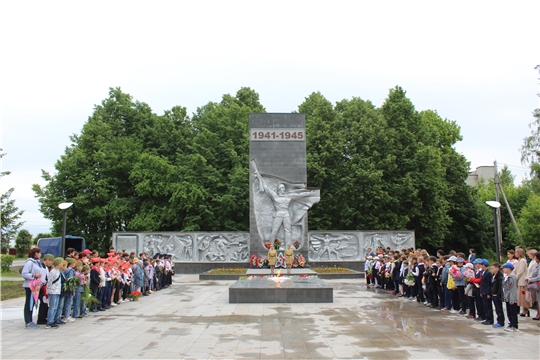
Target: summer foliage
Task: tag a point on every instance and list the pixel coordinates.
(9, 214)
(378, 168)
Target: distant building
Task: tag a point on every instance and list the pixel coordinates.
(481, 172)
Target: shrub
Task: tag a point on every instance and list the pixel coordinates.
(6, 260)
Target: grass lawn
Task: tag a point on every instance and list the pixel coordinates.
(228, 271)
(332, 270)
(11, 289)
(13, 272)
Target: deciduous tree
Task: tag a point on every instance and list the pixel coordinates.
(23, 242)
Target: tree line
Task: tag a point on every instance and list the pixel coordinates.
(389, 167)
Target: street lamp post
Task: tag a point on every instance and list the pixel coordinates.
(495, 205)
(64, 207)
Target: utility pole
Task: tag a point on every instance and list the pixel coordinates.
(498, 210)
(511, 212)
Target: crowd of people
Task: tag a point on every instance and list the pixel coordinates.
(69, 288)
(459, 284)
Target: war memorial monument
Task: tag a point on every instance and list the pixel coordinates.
(279, 202)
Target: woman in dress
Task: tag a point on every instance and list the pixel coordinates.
(535, 277)
(272, 257)
(532, 272)
(289, 256)
(521, 274)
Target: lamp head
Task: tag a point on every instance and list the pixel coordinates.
(494, 204)
(64, 206)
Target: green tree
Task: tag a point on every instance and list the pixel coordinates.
(378, 168)
(94, 171)
(517, 198)
(529, 222)
(530, 150)
(9, 215)
(23, 242)
(468, 227)
(132, 170)
(41, 236)
(390, 168)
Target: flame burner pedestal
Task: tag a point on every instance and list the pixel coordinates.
(293, 289)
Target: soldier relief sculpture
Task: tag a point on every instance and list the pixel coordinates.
(280, 207)
(223, 247)
(179, 246)
(205, 247)
(333, 247)
(394, 240)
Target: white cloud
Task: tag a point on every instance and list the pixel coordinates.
(471, 61)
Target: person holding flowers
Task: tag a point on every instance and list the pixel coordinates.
(78, 290)
(68, 291)
(469, 274)
(31, 272)
(456, 272)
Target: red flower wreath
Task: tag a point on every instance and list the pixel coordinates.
(253, 261)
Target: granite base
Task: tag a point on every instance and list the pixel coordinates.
(293, 290)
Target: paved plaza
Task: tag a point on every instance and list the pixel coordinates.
(194, 320)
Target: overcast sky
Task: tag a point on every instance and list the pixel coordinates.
(473, 62)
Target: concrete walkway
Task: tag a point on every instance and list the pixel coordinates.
(194, 320)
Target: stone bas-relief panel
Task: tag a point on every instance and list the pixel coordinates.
(333, 246)
(223, 247)
(233, 247)
(188, 247)
(343, 245)
(392, 239)
(180, 246)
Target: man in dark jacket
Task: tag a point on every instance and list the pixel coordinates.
(497, 293)
(485, 293)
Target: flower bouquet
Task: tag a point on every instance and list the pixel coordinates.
(71, 283)
(265, 262)
(295, 262)
(455, 272)
(296, 244)
(267, 245)
(369, 274)
(468, 273)
(277, 244)
(409, 279)
(34, 286)
(387, 275)
(82, 279)
(301, 261)
(135, 295)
